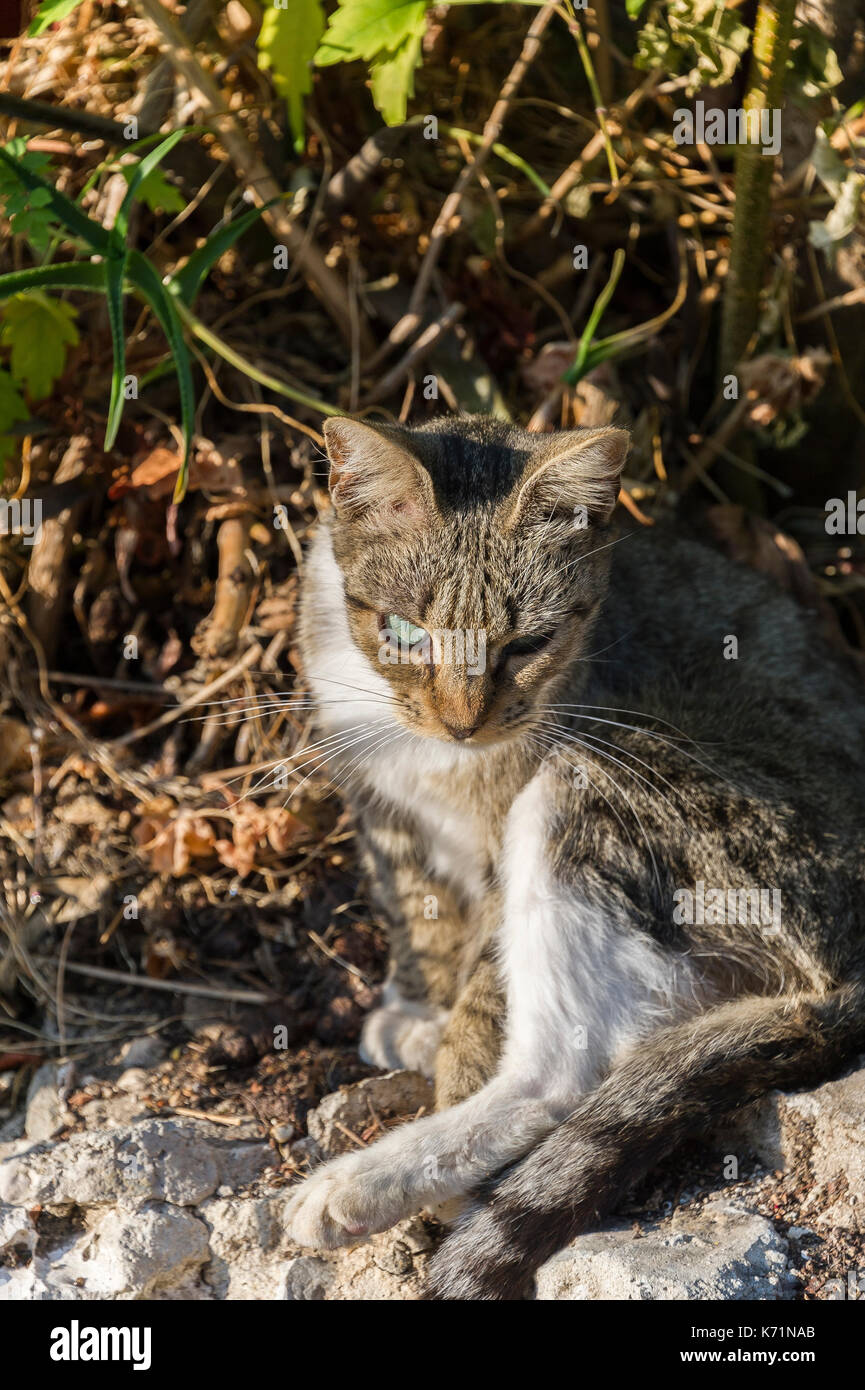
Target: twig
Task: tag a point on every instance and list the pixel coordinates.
(249, 658)
(101, 972)
(331, 955)
(449, 216)
(63, 118)
(416, 353)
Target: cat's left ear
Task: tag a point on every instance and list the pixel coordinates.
(575, 476)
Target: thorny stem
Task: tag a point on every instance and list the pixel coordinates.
(770, 49)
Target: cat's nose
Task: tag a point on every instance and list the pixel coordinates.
(460, 730)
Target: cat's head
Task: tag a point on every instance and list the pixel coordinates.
(474, 558)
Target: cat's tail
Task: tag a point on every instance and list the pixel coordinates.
(679, 1081)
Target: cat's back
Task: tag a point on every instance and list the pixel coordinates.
(681, 615)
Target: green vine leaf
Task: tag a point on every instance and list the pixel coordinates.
(39, 331)
(155, 191)
(287, 45)
(392, 79)
(48, 13)
(28, 210)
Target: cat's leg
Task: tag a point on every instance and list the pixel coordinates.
(578, 987)
(682, 1079)
(427, 930)
(471, 1046)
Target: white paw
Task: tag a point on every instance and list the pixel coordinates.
(349, 1198)
(403, 1034)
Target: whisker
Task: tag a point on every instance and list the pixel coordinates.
(572, 738)
(612, 779)
(546, 742)
(320, 747)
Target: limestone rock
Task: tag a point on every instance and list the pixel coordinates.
(722, 1252)
(46, 1112)
(356, 1107)
(158, 1160)
(823, 1128)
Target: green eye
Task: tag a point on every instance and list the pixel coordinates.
(407, 633)
(527, 646)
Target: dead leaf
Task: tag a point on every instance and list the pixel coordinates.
(254, 828)
(172, 846)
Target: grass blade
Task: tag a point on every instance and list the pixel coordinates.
(145, 279)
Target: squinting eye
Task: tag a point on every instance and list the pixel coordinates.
(408, 633)
(527, 646)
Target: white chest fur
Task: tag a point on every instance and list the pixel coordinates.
(408, 773)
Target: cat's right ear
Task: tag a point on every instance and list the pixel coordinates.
(374, 475)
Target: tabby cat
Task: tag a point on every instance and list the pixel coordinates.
(610, 790)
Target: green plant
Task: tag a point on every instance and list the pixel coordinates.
(387, 35)
(119, 269)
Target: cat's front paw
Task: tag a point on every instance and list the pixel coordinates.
(346, 1200)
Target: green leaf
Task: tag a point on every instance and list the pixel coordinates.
(286, 46)
(156, 192)
(115, 269)
(27, 212)
(841, 220)
(634, 7)
(48, 13)
(145, 279)
(697, 35)
(142, 171)
(586, 343)
(366, 28)
(813, 67)
(66, 212)
(72, 275)
(392, 79)
(189, 279)
(39, 331)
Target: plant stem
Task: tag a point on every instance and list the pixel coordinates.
(770, 49)
(588, 68)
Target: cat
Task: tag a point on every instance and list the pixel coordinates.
(609, 787)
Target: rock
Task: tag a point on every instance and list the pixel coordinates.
(823, 1128)
(16, 1230)
(142, 1052)
(132, 1255)
(180, 1162)
(122, 1255)
(113, 1111)
(245, 1239)
(46, 1113)
(306, 1279)
(356, 1107)
(722, 1252)
(133, 1081)
(383, 1269)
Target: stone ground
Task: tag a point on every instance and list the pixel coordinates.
(104, 1197)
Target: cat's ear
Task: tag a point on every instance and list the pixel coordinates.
(575, 477)
(374, 474)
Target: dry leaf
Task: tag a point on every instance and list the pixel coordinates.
(172, 846)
